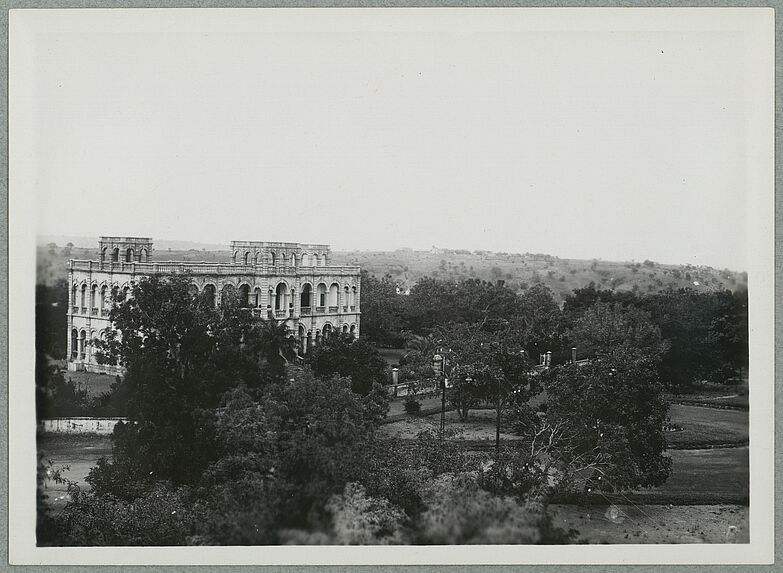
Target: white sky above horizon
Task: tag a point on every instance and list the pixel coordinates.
(391, 129)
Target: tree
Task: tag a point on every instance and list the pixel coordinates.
(611, 326)
(707, 332)
(180, 356)
(352, 358)
(435, 302)
(485, 363)
(539, 323)
(51, 320)
(611, 413)
(383, 311)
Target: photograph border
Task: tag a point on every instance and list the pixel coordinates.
(8, 226)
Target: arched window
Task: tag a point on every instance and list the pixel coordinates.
(273, 258)
(244, 295)
(82, 344)
(83, 298)
(74, 344)
(234, 256)
(228, 295)
(125, 293)
(327, 330)
(115, 255)
(209, 295)
(334, 292)
(74, 296)
(247, 257)
(353, 331)
(144, 256)
(345, 329)
(353, 299)
(281, 297)
(103, 254)
(102, 299)
(293, 259)
(306, 298)
(321, 300)
(129, 256)
(94, 298)
(115, 294)
(257, 297)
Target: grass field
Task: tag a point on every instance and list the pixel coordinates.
(77, 453)
(705, 427)
(96, 384)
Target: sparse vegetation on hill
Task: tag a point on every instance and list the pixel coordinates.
(520, 271)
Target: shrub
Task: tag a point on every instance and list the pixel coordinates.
(412, 404)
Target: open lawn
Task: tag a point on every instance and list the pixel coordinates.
(96, 384)
(707, 427)
(76, 452)
(480, 425)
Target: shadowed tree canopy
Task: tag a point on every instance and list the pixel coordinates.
(346, 356)
(612, 412)
(608, 327)
(180, 356)
(383, 311)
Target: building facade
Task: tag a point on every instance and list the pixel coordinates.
(293, 282)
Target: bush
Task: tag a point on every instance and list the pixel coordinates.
(412, 404)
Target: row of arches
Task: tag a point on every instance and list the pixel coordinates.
(307, 339)
(82, 341)
(95, 299)
(128, 255)
(274, 258)
(282, 297)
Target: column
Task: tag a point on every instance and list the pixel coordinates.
(294, 302)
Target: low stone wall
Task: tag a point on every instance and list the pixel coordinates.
(101, 426)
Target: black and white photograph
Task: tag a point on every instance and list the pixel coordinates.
(391, 286)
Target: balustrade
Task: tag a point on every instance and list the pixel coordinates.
(281, 313)
(84, 310)
(332, 309)
(345, 308)
(320, 309)
(353, 308)
(306, 310)
(94, 311)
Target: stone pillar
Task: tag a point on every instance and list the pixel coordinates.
(293, 304)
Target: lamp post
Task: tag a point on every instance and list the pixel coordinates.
(439, 366)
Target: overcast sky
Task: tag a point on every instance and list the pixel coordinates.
(589, 137)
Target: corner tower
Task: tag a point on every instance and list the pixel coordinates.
(125, 249)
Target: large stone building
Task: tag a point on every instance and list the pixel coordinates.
(294, 282)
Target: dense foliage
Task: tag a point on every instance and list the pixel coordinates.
(227, 445)
(345, 356)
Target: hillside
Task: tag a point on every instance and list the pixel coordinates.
(519, 271)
